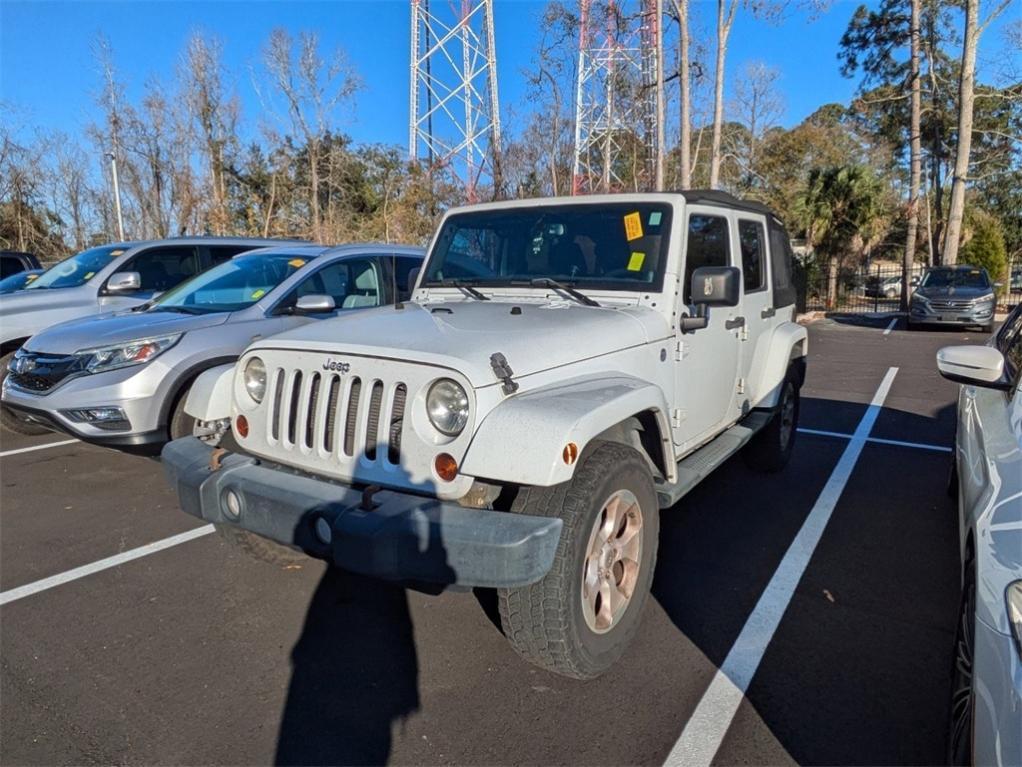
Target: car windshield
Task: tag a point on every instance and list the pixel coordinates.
(958, 278)
(233, 285)
(17, 281)
(621, 246)
(77, 270)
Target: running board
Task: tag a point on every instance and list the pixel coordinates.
(695, 467)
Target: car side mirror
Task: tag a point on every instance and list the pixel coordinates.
(973, 365)
(124, 282)
(715, 286)
(315, 303)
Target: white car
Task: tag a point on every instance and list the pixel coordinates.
(986, 704)
(566, 369)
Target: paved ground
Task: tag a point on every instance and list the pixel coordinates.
(197, 655)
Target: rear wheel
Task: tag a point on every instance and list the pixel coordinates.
(580, 618)
(771, 449)
(962, 689)
(10, 420)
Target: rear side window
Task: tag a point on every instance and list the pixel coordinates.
(164, 268)
(9, 265)
(709, 244)
(780, 266)
(753, 242)
(402, 277)
(220, 253)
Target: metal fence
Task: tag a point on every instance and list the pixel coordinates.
(876, 289)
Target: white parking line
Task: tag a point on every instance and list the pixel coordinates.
(104, 564)
(709, 723)
(891, 326)
(6, 453)
(878, 440)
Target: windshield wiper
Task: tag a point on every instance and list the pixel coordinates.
(546, 282)
(461, 284)
(180, 309)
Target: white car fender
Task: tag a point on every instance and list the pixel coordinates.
(209, 399)
(573, 411)
(789, 341)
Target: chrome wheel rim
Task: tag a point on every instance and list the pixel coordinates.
(611, 568)
(787, 416)
(961, 696)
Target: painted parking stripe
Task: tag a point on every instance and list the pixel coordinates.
(891, 326)
(709, 723)
(6, 453)
(104, 564)
(878, 440)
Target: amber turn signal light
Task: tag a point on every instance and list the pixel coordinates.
(570, 453)
(241, 426)
(446, 467)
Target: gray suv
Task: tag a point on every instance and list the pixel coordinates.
(104, 279)
(954, 295)
(122, 379)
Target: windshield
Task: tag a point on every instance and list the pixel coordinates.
(600, 246)
(77, 270)
(233, 285)
(17, 281)
(958, 278)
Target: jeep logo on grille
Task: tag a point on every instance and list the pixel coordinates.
(340, 367)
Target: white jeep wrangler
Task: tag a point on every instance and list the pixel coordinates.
(566, 369)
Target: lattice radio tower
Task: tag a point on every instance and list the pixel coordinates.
(618, 103)
(454, 114)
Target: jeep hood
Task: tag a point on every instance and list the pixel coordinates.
(462, 335)
(118, 327)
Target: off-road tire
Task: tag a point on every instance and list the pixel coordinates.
(261, 548)
(544, 622)
(770, 450)
(8, 420)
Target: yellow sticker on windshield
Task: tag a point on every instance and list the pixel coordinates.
(89, 275)
(633, 226)
(296, 262)
(636, 261)
(257, 294)
(30, 277)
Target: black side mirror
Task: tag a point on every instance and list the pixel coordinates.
(716, 286)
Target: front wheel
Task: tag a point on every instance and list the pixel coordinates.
(962, 689)
(771, 449)
(10, 420)
(580, 618)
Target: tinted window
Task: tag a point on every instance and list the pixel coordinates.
(218, 254)
(752, 237)
(781, 259)
(402, 278)
(619, 246)
(1009, 342)
(709, 244)
(164, 268)
(77, 270)
(9, 265)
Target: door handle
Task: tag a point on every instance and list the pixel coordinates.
(768, 312)
(737, 322)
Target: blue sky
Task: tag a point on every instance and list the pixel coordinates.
(48, 73)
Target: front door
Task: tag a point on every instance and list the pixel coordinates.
(707, 371)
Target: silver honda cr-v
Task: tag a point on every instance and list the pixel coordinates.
(121, 379)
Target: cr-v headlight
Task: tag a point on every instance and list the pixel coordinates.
(102, 358)
(255, 379)
(447, 406)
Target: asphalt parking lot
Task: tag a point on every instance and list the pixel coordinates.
(195, 654)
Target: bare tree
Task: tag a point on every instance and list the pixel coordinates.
(726, 10)
(758, 106)
(915, 154)
(685, 90)
(966, 104)
(313, 89)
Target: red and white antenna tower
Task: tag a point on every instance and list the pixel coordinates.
(454, 113)
(619, 94)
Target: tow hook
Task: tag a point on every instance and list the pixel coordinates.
(503, 371)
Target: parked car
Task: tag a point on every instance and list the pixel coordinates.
(986, 479)
(14, 261)
(18, 280)
(953, 295)
(104, 279)
(566, 369)
(122, 379)
(883, 287)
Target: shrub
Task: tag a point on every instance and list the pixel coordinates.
(985, 246)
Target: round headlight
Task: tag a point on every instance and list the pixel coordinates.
(255, 379)
(447, 406)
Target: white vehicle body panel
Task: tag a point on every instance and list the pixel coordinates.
(209, 398)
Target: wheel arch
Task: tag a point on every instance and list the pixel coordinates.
(180, 386)
(11, 346)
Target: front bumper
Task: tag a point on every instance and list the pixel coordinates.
(972, 315)
(400, 536)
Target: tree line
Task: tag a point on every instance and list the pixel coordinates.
(923, 162)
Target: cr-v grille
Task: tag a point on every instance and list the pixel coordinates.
(346, 416)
